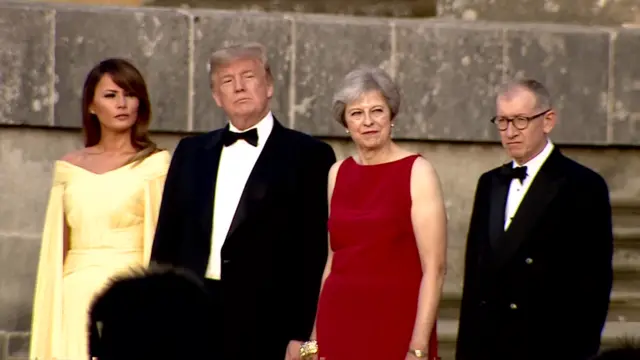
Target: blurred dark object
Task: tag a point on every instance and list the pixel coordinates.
(158, 313)
(386, 8)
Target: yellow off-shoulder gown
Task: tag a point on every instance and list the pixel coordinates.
(111, 219)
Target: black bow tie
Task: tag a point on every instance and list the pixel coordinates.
(510, 173)
(229, 137)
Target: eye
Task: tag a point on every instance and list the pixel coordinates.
(110, 95)
(377, 110)
(355, 113)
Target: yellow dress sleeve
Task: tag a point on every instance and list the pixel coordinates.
(46, 324)
(156, 174)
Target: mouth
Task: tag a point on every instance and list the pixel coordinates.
(243, 100)
(370, 132)
(122, 116)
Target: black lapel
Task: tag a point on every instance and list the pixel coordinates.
(540, 194)
(206, 175)
(499, 190)
(262, 174)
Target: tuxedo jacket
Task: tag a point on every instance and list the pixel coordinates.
(541, 288)
(274, 254)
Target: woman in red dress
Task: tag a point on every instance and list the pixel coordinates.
(387, 236)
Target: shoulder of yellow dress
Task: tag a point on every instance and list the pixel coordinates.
(155, 165)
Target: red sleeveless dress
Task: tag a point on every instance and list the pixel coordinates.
(368, 304)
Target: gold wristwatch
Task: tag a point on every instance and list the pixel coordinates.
(418, 353)
(308, 348)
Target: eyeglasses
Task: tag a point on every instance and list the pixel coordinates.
(520, 122)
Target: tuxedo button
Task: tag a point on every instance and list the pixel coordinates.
(529, 261)
(513, 306)
(224, 262)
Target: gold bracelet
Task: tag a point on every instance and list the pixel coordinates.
(308, 348)
(418, 353)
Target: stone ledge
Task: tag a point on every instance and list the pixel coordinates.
(448, 70)
(14, 345)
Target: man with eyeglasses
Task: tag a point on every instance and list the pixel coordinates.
(538, 267)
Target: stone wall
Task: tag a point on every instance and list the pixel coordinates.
(448, 71)
(586, 12)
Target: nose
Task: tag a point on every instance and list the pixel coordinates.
(122, 101)
(511, 130)
(367, 119)
(239, 84)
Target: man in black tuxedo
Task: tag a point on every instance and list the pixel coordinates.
(538, 268)
(245, 207)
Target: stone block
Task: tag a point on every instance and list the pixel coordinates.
(27, 159)
(448, 73)
(26, 66)
(18, 266)
(4, 342)
(625, 121)
(573, 63)
(156, 41)
(587, 12)
(326, 49)
(18, 347)
(215, 29)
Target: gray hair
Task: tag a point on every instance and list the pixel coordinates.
(230, 53)
(539, 92)
(362, 80)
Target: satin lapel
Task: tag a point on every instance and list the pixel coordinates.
(206, 174)
(499, 189)
(257, 184)
(544, 188)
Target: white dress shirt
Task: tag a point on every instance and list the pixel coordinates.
(518, 190)
(236, 163)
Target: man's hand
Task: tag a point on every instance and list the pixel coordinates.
(293, 350)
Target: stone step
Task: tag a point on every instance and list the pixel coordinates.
(626, 211)
(627, 237)
(626, 276)
(624, 306)
(614, 333)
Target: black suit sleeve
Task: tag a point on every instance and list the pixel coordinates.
(167, 236)
(587, 282)
(312, 254)
(477, 226)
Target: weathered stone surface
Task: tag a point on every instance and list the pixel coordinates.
(573, 64)
(390, 8)
(157, 42)
(4, 340)
(448, 70)
(26, 66)
(326, 49)
(18, 346)
(216, 29)
(587, 12)
(448, 74)
(625, 120)
(18, 259)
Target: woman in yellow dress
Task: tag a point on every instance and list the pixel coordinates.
(102, 210)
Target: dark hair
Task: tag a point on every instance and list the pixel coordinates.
(126, 76)
(145, 307)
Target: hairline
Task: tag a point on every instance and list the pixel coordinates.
(541, 96)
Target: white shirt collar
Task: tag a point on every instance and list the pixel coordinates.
(263, 127)
(534, 165)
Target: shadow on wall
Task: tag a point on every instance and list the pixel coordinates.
(383, 8)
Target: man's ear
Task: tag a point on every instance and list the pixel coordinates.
(216, 98)
(549, 121)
